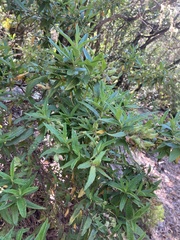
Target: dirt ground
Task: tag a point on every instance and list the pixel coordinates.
(168, 193)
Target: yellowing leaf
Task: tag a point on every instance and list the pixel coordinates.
(10, 119)
(100, 132)
(41, 86)
(21, 77)
(177, 159)
(7, 23)
(73, 191)
(81, 193)
(32, 40)
(66, 213)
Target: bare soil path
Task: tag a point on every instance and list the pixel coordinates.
(168, 193)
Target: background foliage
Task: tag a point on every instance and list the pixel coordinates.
(83, 85)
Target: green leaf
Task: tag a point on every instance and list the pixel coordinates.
(29, 190)
(83, 40)
(74, 215)
(15, 214)
(8, 236)
(20, 138)
(98, 159)
(59, 150)
(5, 176)
(4, 61)
(34, 82)
(72, 84)
(174, 154)
(123, 201)
(116, 186)
(129, 210)
(92, 234)
(12, 170)
(58, 48)
(130, 235)
(91, 177)
(31, 237)
(75, 144)
(6, 216)
(20, 233)
(75, 161)
(141, 212)
(91, 109)
(20, 4)
(15, 133)
(19, 181)
(21, 203)
(86, 54)
(140, 232)
(55, 132)
(12, 191)
(86, 226)
(43, 230)
(103, 173)
(5, 205)
(66, 37)
(33, 205)
(3, 106)
(109, 120)
(84, 165)
(68, 164)
(135, 182)
(117, 135)
(77, 35)
(35, 144)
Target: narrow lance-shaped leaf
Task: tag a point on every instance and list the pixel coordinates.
(33, 205)
(20, 138)
(75, 143)
(3, 106)
(84, 165)
(6, 216)
(123, 201)
(20, 4)
(98, 159)
(15, 214)
(43, 230)
(75, 214)
(29, 190)
(8, 236)
(55, 132)
(88, 106)
(12, 170)
(91, 177)
(86, 226)
(83, 40)
(5, 176)
(117, 135)
(66, 37)
(103, 173)
(174, 154)
(20, 233)
(86, 54)
(21, 203)
(77, 35)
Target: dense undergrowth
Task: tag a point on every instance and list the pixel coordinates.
(67, 136)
